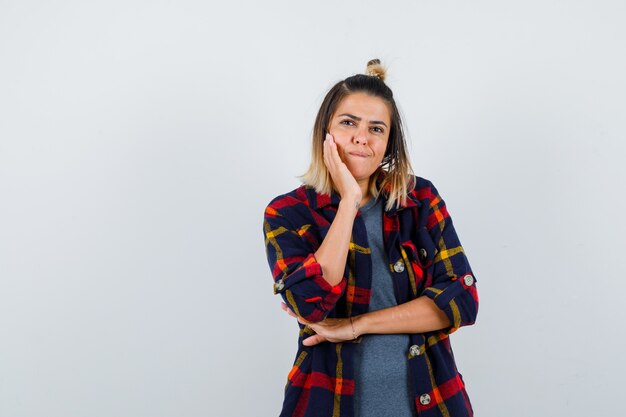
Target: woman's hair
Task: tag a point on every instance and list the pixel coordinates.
(397, 174)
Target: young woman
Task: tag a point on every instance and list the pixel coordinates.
(365, 256)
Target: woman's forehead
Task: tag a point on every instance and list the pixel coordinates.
(364, 106)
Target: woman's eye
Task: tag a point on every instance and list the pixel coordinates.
(347, 122)
(377, 129)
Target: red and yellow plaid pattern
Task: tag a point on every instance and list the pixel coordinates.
(426, 259)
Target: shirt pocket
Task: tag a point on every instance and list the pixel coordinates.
(424, 249)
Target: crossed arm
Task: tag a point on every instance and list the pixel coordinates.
(415, 316)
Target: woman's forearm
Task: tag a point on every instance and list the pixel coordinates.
(415, 316)
(333, 251)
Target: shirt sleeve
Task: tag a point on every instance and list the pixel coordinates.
(453, 287)
(297, 274)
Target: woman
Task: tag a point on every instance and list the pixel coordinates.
(365, 256)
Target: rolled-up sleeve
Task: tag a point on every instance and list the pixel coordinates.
(453, 287)
(297, 274)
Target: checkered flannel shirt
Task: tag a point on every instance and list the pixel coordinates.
(426, 259)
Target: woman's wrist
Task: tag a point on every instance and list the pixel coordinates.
(350, 204)
(359, 325)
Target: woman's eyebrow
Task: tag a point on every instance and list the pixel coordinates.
(358, 119)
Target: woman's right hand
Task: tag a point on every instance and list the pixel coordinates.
(344, 181)
(333, 251)
(328, 330)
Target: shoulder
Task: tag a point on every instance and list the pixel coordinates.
(421, 183)
(298, 199)
(423, 191)
(432, 205)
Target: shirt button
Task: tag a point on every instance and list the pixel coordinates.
(423, 253)
(414, 350)
(398, 266)
(468, 279)
(279, 285)
(424, 399)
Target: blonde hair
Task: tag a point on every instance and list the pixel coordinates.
(395, 175)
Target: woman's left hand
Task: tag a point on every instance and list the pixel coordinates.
(328, 330)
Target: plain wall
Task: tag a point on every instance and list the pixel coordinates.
(140, 142)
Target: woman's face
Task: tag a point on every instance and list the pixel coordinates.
(360, 126)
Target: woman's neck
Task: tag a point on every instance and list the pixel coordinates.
(365, 192)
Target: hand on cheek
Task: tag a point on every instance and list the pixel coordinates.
(344, 181)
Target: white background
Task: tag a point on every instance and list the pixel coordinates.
(141, 140)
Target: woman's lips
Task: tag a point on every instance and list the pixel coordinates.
(359, 154)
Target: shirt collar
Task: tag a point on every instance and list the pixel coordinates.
(319, 201)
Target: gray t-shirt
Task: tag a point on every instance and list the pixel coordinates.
(381, 380)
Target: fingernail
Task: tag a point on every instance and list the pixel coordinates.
(328, 136)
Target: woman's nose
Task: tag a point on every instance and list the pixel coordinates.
(360, 137)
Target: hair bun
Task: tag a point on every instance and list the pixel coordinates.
(375, 69)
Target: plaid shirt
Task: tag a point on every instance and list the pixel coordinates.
(426, 259)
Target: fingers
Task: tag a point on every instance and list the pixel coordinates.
(338, 171)
(328, 160)
(333, 151)
(313, 340)
(292, 314)
(343, 180)
(288, 310)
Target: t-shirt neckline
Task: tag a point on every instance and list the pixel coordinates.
(371, 203)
